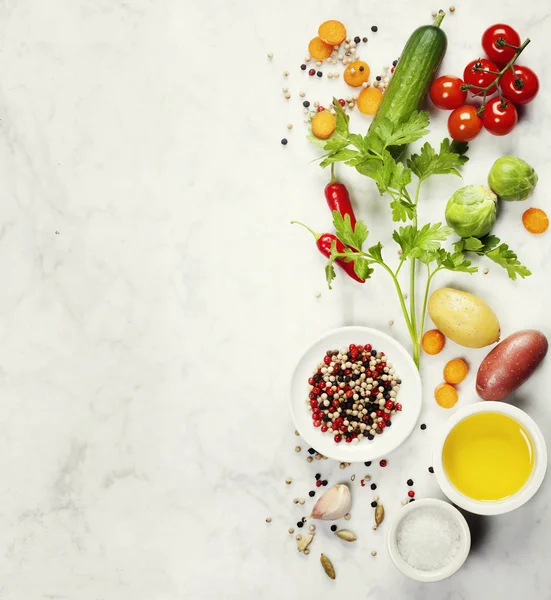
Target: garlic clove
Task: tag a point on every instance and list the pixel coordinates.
(334, 504)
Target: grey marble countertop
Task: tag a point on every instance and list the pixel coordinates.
(155, 298)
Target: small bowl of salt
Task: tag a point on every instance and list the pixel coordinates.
(429, 540)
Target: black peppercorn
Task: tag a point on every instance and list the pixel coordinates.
(303, 67)
(373, 486)
(412, 499)
(357, 39)
(370, 436)
(364, 40)
(423, 426)
(398, 381)
(389, 423)
(284, 141)
(394, 63)
(361, 68)
(311, 493)
(324, 482)
(378, 78)
(368, 463)
(333, 528)
(374, 28)
(373, 352)
(311, 451)
(319, 73)
(318, 476)
(306, 104)
(431, 470)
(300, 524)
(374, 504)
(409, 482)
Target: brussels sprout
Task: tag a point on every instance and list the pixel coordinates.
(471, 211)
(512, 178)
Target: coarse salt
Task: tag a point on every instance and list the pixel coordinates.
(428, 539)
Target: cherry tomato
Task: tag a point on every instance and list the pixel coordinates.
(446, 92)
(464, 124)
(501, 55)
(523, 87)
(480, 78)
(499, 117)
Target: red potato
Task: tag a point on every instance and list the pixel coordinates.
(510, 364)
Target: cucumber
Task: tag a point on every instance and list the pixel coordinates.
(413, 75)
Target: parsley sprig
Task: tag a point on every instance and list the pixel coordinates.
(378, 156)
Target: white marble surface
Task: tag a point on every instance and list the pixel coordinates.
(154, 297)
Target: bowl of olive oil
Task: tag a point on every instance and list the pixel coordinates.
(490, 458)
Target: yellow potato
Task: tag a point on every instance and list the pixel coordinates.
(464, 318)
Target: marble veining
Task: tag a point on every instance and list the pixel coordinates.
(154, 300)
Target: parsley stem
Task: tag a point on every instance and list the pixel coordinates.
(402, 301)
(425, 301)
(413, 316)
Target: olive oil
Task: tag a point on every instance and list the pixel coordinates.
(488, 456)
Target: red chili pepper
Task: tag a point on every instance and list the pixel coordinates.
(324, 241)
(338, 198)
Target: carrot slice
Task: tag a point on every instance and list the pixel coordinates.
(323, 124)
(356, 73)
(369, 100)
(445, 395)
(433, 341)
(318, 49)
(535, 220)
(455, 371)
(332, 32)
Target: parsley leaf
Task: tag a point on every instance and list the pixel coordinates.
(330, 272)
(316, 141)
(414, 128)
(362, 268)
(506, 258)
(376, 252)
(338, 156)
(353, 237)
(416, 242)
(402, 210)
(447, 161)
(492, 247)
(456, 262)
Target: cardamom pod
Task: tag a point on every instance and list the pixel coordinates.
(346, 535)
(305, 542)
(327, 566)
(379, 514)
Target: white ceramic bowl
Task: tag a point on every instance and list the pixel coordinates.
(456, 562)
(496, 507)
(409, 395)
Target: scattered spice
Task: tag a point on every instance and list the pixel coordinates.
(268, 519)
(309, 459)
(364, 40)
(347, 517)
(306, 552)
(327, 566)
(290, 126)
(301, 501)
(353, 477)
(296, 432)
(431, 470)
(300, 524)
(373, 553)
(423, 426)
(374, 28)
(311, 493)
(346, 535)
(312, 528)
(367, 478)
(486, 271)
(298, 537)
(374, 504)
(373, 486)
(295, 500)
(452, 9)
(288, 481)
(404, 502)
(409, 482)
(298, 448)
(270, 55)
(383, 463)
(291, 530)
(379, 514)
(333, 528)
(305, 542)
